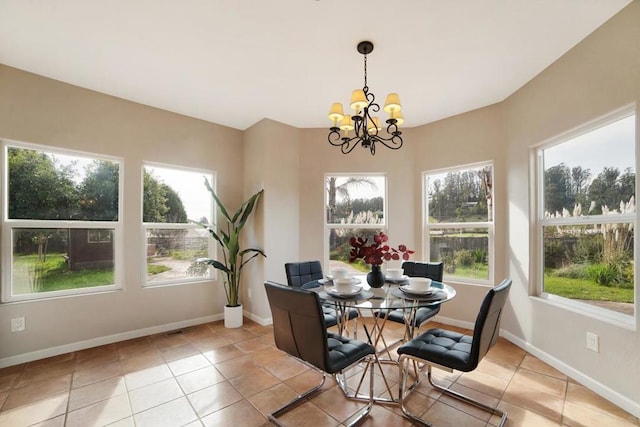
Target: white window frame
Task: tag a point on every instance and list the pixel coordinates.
(8, 225)
(328, 227)
(146, 226)
(537, 272)
(488, 225)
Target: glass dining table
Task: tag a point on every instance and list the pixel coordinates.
(377, 303)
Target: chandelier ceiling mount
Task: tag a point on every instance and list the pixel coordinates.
(367, 131)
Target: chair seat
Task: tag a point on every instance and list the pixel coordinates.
(446, 348)
(330, 316)
(344, 352)
(397, 315)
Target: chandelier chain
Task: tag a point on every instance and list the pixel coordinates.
(365, 70)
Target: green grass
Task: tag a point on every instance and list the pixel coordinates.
(477, 271)
(54, 275)
(156, 269)
(585, 289)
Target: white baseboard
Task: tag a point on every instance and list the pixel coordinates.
(94, 342)
(453, 322)
(259, 320)
(597, 387)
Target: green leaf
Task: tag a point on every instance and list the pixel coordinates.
(214, 263)
(215, 197)
(250, 204)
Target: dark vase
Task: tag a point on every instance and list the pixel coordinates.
(375, 278)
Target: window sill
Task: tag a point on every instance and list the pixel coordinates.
(598, 313)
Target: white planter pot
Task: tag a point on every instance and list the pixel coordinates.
(232, 316)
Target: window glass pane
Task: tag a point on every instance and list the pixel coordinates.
(49, 186)
(587, 170)
(340, 247)
(464, 251)
(175, 196)
(55, 259)
(355, 199)
(591, 263)
(460, 196)
(171, 254)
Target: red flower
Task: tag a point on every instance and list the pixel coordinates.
(377, 252)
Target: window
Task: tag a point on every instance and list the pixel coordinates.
(355, 206)
(458, 225)
(174, 201)
(587, 214)
(60, 222)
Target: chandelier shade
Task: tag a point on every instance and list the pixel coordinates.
(363, 127)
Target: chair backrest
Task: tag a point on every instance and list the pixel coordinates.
(298, 323)
(299, 273)
(430, 270)
(487, 328)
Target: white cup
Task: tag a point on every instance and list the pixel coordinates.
(421, 284)
(339, 273)
(345, 284)
(394, 273)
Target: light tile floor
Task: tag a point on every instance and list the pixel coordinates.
(212, 376)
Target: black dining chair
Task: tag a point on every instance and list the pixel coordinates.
(299, 329)
(430, 270)
(306, 275)
(451, 350)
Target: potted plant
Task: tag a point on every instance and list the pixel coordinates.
(232, 259)
(375, 254)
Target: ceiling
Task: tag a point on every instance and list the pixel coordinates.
(234, 62)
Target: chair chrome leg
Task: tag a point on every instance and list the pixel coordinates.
(404, 368)
(467, 399)
(355, 419)
(295, 402)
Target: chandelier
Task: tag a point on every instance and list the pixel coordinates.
(366, 128)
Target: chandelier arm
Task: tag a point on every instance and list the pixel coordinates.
(394, 142)
(344, 143)
(348, 144)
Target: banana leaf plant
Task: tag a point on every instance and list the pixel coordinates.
(232, 258)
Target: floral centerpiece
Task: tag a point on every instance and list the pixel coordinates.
(375, 253)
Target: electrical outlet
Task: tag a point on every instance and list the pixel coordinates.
(592, 341)
(17, 324)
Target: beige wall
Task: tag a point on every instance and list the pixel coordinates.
(271, 162)
(38, 110)
(600, 74)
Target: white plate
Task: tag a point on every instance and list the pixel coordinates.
(410, 290)
(401, 279)
(350, 293)
(354, 281)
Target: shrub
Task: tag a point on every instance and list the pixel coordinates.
(480, 256)
(605, 274)
(588, 248)
(464, 258)
(573, 271)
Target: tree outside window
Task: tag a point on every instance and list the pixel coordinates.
(56, 205)
(458, 225)
(355, 206)
(174, 200)
(588, 214)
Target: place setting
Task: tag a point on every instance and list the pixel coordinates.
(395, 276)
(419, 288)
(341, 284)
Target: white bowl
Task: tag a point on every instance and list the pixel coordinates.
(339, 273)
(345, 284)
(420, 284)
(394, 273)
